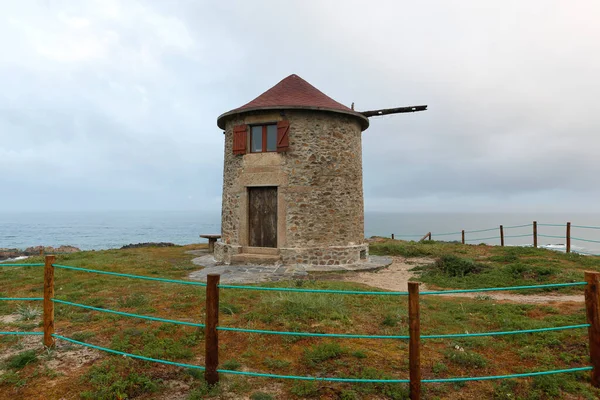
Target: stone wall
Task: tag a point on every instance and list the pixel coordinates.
(335, 255)
(319, 180)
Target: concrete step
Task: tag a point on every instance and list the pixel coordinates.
(272, 251)
(246, 258)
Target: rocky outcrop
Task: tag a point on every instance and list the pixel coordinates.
(148, 244)
(36, 251)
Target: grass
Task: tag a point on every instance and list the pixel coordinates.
(458, 266)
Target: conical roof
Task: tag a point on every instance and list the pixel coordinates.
(293, 92)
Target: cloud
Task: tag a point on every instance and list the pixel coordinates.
(113, 104)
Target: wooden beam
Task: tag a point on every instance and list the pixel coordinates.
(568, 237)
(48, 304)
(414, 349)
(211, 335)
(592, 307)
(397, 110)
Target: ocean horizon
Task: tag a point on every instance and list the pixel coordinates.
(98, 230)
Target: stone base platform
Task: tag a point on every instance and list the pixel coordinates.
(256, 273)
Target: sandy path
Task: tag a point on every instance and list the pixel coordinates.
(396, 277)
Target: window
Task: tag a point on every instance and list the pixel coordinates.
(263, 138)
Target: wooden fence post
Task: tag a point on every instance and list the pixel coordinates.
(535, 234)
(392, 236)
(568, 237)
(463, 236)
(211, 335)
(592, 308)
(501, 236)
(48, 304)
(414, 349)
(429, 235)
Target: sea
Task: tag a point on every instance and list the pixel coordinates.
(113, 229)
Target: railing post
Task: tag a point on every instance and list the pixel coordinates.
(535, 234)
(501, 236)
(429, 235)
(48, 304)
(592, 308)
(414, 349)
(568, 237)
(392, 236)
(211, 335)
(463, 236)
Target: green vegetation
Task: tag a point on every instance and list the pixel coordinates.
(456, 266)
(116, 380)
(21, 360)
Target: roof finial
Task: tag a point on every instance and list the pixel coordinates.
(352, 106)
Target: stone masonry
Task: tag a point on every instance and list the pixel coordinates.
(319, 183)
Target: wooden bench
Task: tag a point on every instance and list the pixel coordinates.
(212, 239)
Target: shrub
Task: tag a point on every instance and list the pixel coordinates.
(465, 359)
(453, 266)
(522, 271)
(134, 300)
(276, 364)
(204, 390)
(27, 313)
(323, 352)
(305, 389)
(232, 364)
(21, 360)
(116, 380)
(261, 396)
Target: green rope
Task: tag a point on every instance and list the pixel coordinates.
(22, 333)
(337, 335)
(310, 378)
(517, 236)
(353, 336)
(586, 240)
(510, 376)
(127, 354)
(408, 235)
(551, 236)
(278, 289)
(22, 265)
(445, 234)
(561, 225)
(457, 335)
(148, 278)
(479, 239)
(128, 314)
(518, 226)
(550, 285)
(585, 227)
(483, 230)
(584, 252)
(21, 298)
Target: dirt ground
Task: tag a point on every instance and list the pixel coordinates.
(396, 277)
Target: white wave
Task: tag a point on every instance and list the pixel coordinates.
(14, 259)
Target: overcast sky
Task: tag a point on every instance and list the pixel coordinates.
(112, 105)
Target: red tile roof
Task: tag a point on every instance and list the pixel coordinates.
(294, 92)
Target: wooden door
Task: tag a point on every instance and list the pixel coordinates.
(262, 205)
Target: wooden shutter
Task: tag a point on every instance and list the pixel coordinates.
(283, 138)
(240, 139)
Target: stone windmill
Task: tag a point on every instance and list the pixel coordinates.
(292, 179)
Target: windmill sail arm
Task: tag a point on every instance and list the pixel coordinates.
(397, 110)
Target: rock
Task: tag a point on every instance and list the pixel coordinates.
(148, 244)
(5, 254)
(35, 251)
